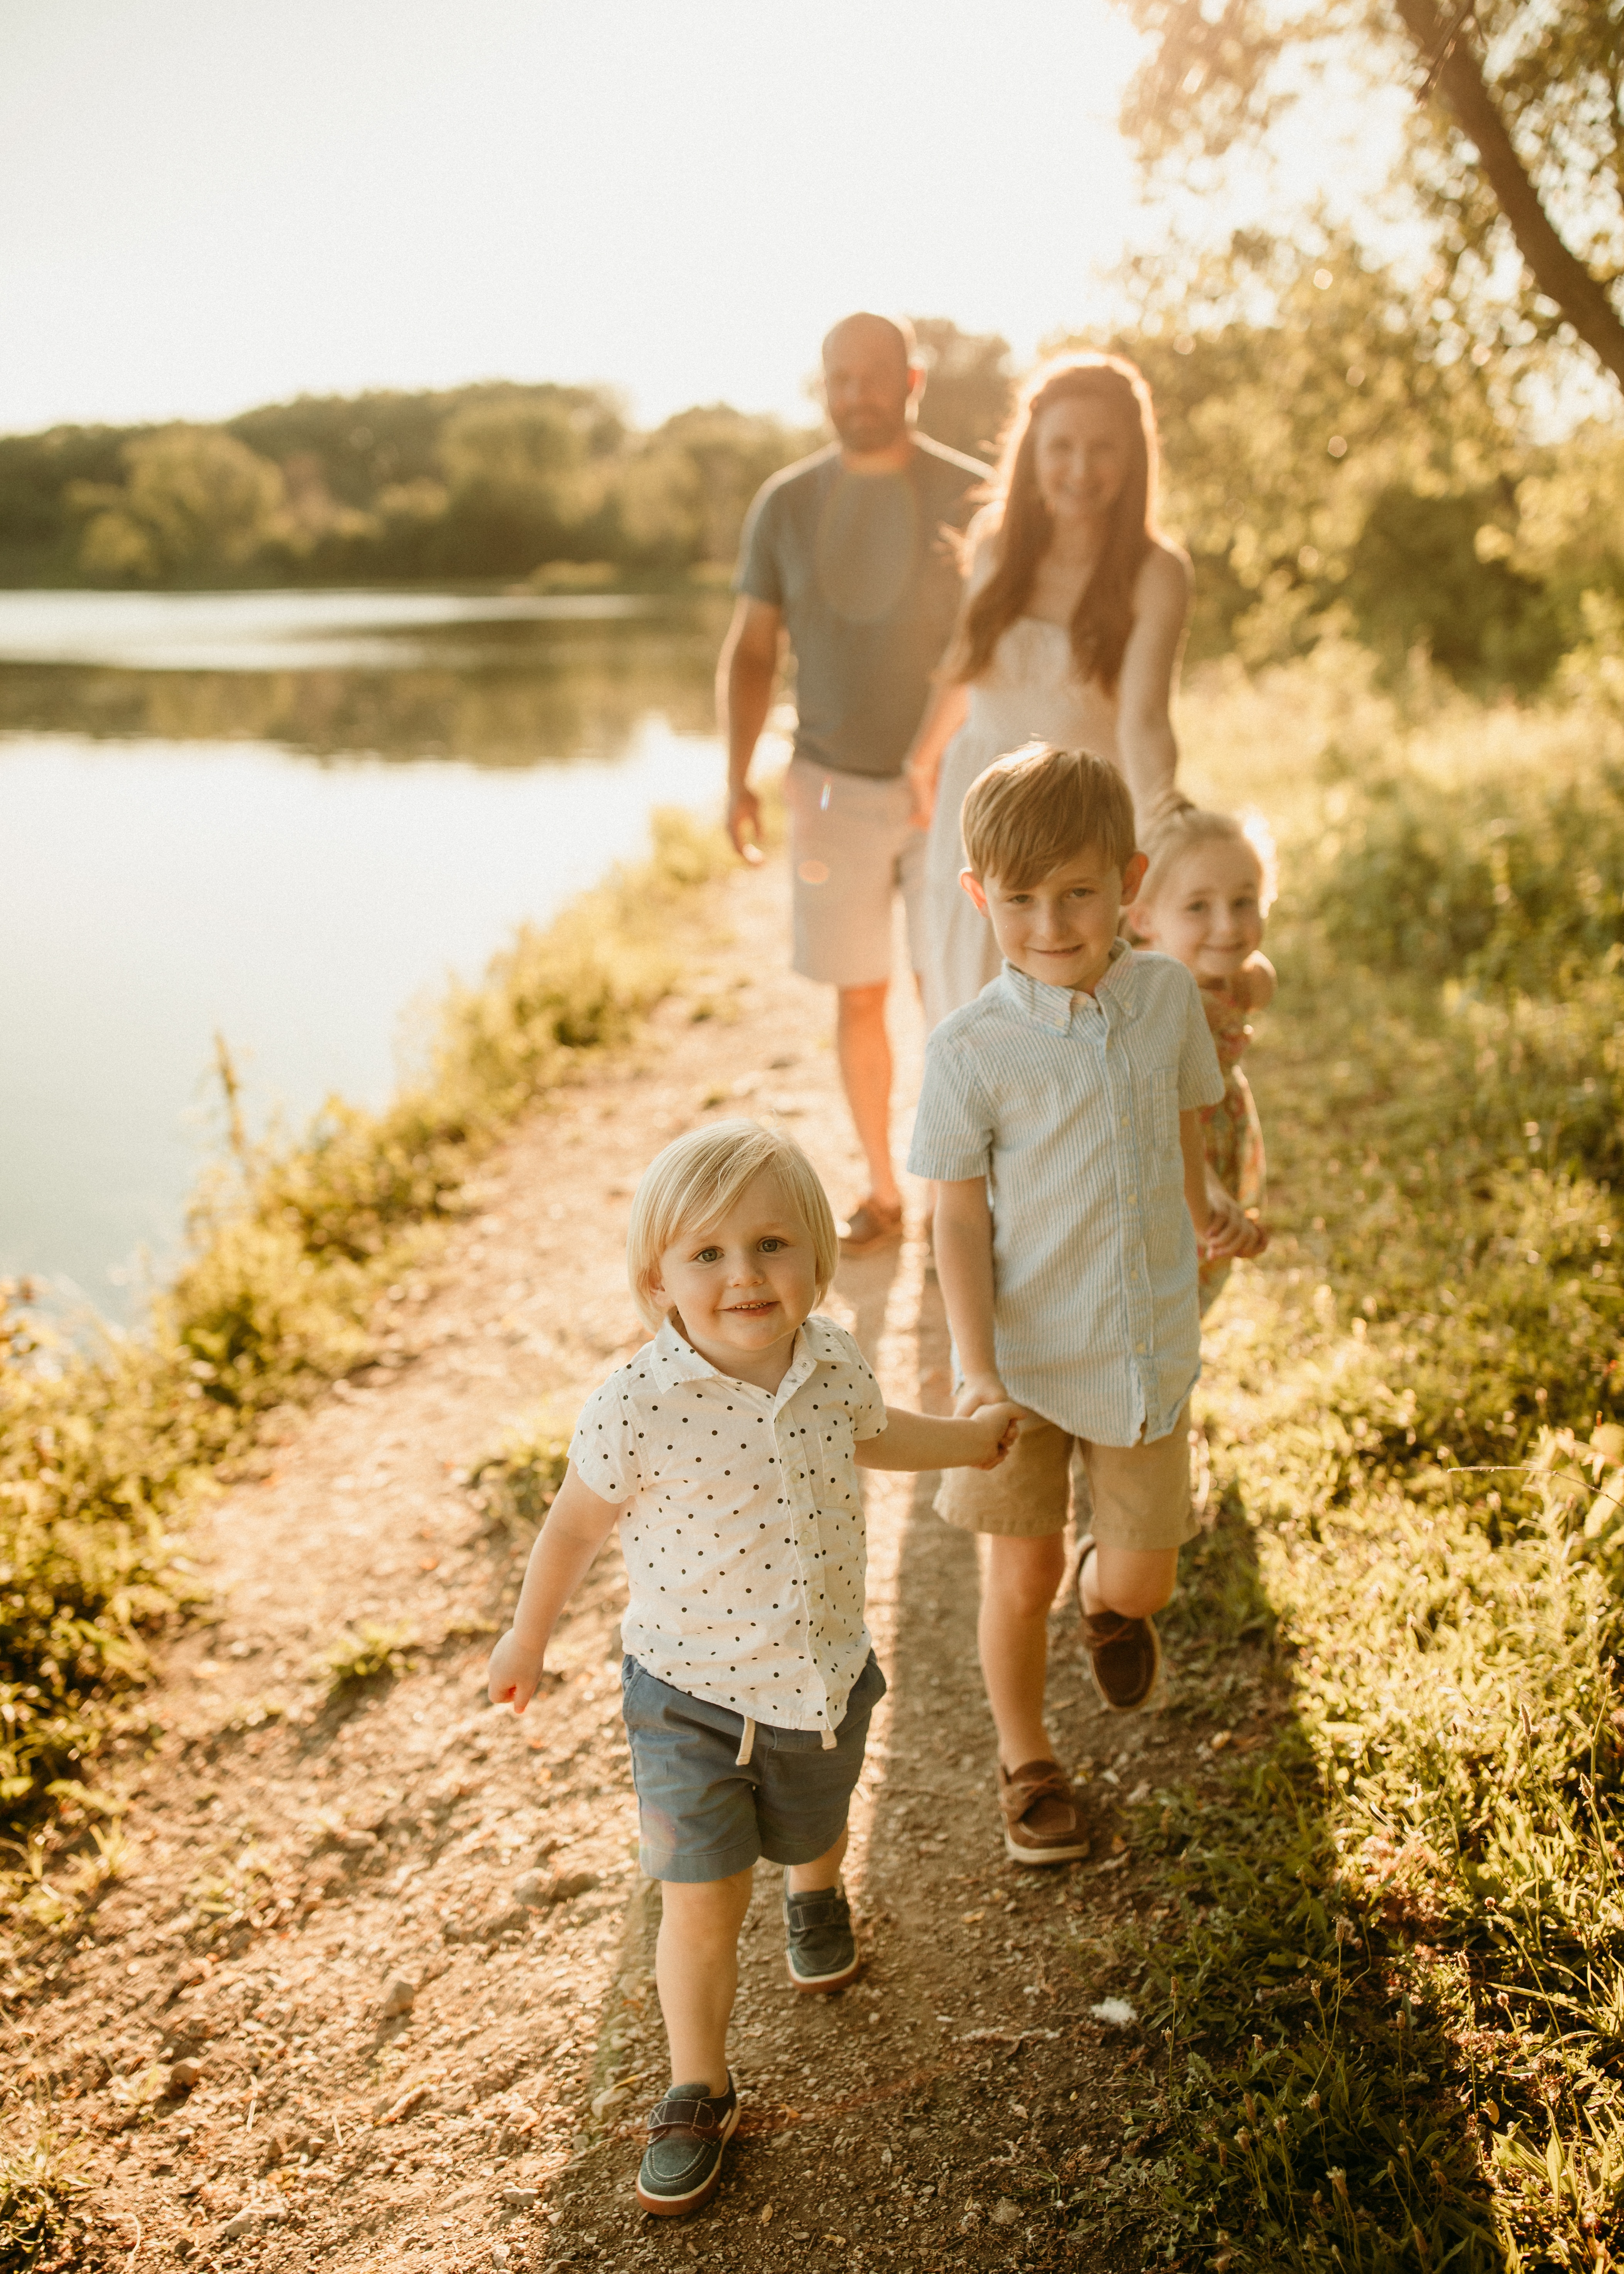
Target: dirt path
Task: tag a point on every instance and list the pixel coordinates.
(290, 1858)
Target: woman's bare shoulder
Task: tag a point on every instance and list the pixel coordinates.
(1165, 583)
(1165, 568)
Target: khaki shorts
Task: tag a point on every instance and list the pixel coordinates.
(1140, 1493)
(852, 850)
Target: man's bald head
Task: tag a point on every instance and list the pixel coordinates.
(893, 334)
(872, 377)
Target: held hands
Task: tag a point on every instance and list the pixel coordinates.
(979, 1390)
(983, 1399)
(513, 1671)
(1001, 1425)
(923, 787)
(744, 824)
(1230, 1231)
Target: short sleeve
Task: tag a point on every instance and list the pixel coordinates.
(1201, 1077)
(867, 1407)
(604, 1448)
(953, 1126)
(758, 578)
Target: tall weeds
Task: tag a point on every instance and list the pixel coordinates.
(1388, 1998)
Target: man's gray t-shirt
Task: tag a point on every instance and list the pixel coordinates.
(868, 583)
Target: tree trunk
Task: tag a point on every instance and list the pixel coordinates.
(1558, 274)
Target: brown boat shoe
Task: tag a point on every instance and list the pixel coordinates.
(1042, 1823)
(870, 1227)
(1125, 1655)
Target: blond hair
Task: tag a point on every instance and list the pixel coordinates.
(695, 1181)
(1039, 808)
(1191, 826)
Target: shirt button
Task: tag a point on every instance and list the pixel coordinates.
(1140, 1348)
(1133, 1200)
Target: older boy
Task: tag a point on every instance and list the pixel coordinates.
(1058, 1117)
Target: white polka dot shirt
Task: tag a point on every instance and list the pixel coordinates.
(743, 1523)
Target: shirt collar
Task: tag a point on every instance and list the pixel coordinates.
(1054, 1006)
(673, 1360)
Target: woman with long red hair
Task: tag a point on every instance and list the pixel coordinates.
(1074, 617)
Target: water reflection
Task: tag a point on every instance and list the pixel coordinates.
(295, 856)
(500, 692)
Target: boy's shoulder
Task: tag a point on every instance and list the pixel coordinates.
(984, 1015)
(832, 1344)
(1150, 968)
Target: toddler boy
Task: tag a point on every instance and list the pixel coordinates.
(727, 1451)
(1058, 1117)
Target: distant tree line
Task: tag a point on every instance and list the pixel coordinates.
(1338, 455)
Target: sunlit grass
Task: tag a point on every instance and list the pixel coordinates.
(1387, 2007)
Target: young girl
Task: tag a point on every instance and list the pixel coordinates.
(1204, 899)
(727, 1451)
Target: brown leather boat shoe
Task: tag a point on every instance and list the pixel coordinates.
(1042, 1823)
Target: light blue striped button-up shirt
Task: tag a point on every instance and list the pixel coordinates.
(1069, 1107)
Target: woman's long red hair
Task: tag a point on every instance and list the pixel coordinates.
(1104, 614)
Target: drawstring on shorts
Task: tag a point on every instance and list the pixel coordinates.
(747, 1744)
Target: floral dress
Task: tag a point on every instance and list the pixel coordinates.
(1230, 1131)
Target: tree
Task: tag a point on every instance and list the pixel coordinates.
(1518, 128)
(194, 501)
(526, 469)
(1331, 452)
(684, 495)
(969, 390)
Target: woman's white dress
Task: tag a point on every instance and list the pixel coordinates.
(1029, 691)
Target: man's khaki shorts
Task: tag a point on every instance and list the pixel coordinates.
(1140, 1493)
(851, 849)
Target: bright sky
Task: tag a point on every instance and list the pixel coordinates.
(208, 204)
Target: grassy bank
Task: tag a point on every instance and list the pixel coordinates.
(292, 1254)
(1387, 1990)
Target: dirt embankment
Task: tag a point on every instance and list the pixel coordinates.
(403, 1937)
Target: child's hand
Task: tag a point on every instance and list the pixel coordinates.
(514, 1672)
(1001, 1424)
(979, 1390)
(1231, 1231)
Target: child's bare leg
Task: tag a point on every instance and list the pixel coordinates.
(696, 1967)
(1020, 1581)
(1133, 1582)
(807, 1879)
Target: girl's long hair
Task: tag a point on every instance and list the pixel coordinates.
(1104, 614)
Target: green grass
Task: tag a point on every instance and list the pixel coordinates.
(103, 1454)
(1386, 2001)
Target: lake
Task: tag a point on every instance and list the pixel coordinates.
(286, 819)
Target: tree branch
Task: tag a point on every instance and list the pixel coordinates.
(1559, 274)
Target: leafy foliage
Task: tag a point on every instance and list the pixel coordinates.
(1517, 135)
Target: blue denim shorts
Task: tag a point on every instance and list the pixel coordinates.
(703, 1814)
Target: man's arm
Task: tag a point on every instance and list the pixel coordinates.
(745, 675)
(964, 1268)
